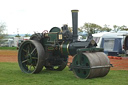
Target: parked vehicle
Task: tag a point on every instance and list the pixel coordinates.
(111, 42)
(5, 44)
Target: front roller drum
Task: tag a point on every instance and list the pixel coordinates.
(31, 56)
(91, 65)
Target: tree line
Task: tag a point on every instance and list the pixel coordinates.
(88, 27)
(95, 28)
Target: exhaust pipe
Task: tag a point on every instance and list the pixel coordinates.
(75, 24)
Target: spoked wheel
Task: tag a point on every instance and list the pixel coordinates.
(31, 56)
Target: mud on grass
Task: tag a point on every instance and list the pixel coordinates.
(11, 56)
(8, 55)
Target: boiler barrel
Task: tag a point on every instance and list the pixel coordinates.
(91, 65)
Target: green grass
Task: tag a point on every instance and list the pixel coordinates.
(8, 48)
(10, 74)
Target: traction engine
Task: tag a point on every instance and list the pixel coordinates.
(51, 50)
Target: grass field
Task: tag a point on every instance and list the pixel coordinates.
(10, 74)
(8, 48)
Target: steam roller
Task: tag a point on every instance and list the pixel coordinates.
(51, 50)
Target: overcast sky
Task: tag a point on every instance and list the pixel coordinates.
(37, 15)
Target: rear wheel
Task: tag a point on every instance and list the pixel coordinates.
(31, 56)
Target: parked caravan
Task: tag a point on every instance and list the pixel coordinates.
(111, 42)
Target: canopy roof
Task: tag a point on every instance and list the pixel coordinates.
(108, 35)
